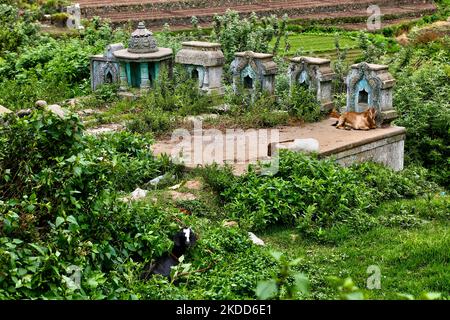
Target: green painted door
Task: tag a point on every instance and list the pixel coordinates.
(135, 75)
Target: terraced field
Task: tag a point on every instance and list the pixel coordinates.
(315, 43)
(320, 45)
(178, 13)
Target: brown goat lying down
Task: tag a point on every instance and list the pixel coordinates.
(356, 120)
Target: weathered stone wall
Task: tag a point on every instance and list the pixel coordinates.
(388, 151)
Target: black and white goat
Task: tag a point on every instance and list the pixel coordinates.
(183, 240)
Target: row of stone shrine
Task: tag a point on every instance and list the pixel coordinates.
(139, 65)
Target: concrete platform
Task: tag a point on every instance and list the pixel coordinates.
(240, 148)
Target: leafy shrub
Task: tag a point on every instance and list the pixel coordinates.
(316, 195)
(59, 18)
(153, 120)
(410, 183)
(106, 93)
(40, 67)
(421, 99)
(252, 34)
(302, 104)
(61, 169)
(225, 265)
(286, 283)
(61, 209)
(15, 29)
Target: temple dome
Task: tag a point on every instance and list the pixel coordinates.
(142, 41)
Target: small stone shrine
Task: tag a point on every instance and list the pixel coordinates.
(104, 67)
(204, 61)
(316, 75)
(141, 63)
(250, 68)
(371, 85)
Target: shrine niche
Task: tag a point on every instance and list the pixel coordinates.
(254, 71)
(314, 74)
(105, 67)
(371, 86)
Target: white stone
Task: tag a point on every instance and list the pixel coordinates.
(255, 239)
(156, 180)
(138, 194)
(298, 145)
(56, 109)
(4, 110)
(41, 104)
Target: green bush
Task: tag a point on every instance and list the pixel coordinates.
(223, 265)
(302, 104)
(40, 67)
(60, 209)
(153, 120)
(62, 169)
(316, 195)
(59, 19)
(421, 99)
(16, 29)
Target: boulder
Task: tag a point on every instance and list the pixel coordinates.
(41, 104)
(255, 239)
(138, 194)
(23, 112)
(4, 110)
(57, 110)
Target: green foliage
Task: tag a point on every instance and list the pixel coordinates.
(60, 169)
(340, 67)
(53, 6)
(253, 34)
(372, 51)
(347, 289)
(224, 265)
(301, 103)
(421, 98)
(286, 283)
(41, 67)
(430, 208)
(59, 18)
(15, 29)
(61, 209)
(106, 93)
(168, 101)
(323, 199)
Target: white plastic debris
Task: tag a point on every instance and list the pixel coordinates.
(157, 180)
(297, 145)
(154, 182)
(138, 194)
(308, 145)
(256, 240)
(175, 187)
